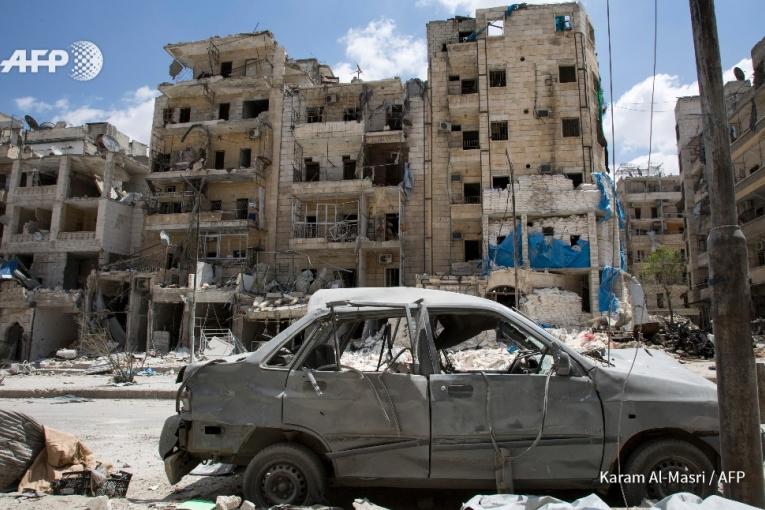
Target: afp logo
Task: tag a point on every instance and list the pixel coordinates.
(87, 60)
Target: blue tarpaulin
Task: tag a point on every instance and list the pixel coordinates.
(607, 300)
(7, 268)
(545, 252)
(607, 205)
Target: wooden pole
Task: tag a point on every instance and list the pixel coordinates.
(740, 446)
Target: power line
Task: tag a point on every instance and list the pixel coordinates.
(611, 86)
(653, 78)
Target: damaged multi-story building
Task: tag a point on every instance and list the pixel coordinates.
(653, 219)
(70, 207)
(743, 100)
(515, 126)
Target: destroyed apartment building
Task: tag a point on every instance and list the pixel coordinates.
(651, 201)
(743, 100)
(268, 179)
(70, 207)
(516, 158)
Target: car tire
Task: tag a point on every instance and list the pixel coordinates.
(660, 467)
(284, 473)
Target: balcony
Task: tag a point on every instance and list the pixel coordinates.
(208, 220)
(84, 240)
(652, 196)
(333, 187)
(314, 235)
(28, 242)
(34, 193)
(754, 227)
(751, 184)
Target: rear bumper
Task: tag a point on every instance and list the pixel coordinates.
(178, 462)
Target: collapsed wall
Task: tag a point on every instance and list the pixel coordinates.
(553, 306)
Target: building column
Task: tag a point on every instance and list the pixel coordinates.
(62, 190)
(592, 232)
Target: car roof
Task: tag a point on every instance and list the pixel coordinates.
(399, 296)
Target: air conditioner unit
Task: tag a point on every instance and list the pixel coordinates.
(330, 98)
(541, 113)
(445, 126)
(254, 133)
(456, 236)
(545, 169)
(385, 258)
(456, 178)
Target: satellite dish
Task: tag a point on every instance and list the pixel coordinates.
(739, 74)
(109, 143)
(175, 69)
(31, 122)
(47, 125)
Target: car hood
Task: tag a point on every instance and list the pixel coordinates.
(655, 376)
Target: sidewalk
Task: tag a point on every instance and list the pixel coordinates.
(88, 386)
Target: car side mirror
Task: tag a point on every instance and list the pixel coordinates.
(563, 366)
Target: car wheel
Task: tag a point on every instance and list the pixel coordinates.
(284, 473)
(664, 467)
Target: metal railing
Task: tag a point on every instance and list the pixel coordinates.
(341, 231)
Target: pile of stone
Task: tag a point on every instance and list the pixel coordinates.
(553, 306)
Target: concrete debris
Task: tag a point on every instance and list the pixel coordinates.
(227, 502)
(247, 505)
(66, 353)
(365, 504)
(683, 337)
(100, 503)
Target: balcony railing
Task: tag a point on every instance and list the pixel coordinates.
(82, 235)
(338, 232)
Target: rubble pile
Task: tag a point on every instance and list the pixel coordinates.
(581, 340)
(683, 337)
(553, 306)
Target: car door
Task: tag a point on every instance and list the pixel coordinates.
(467, 409)
(375, 423)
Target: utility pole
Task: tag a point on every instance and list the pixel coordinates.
(729, 278)
(516, 248)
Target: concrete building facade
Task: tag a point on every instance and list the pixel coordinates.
(744, 100)
(653, 219)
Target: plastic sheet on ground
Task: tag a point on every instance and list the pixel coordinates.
(679, 501)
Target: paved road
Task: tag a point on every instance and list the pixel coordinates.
(126, 433)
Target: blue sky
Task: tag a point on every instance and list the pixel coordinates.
(386, 37)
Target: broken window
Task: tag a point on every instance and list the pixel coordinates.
(472, 250)
(314, 114)
(574, 239)
(394, 117)
(654, 212)
(566, 74)
(499, 130)
(500, 239)
(223, 110)
(470, 140)
(391, 226)
(185, 115)
(500, 182)
(245, 158)
(638, 213)
(241, 208)
(454, 77)
(351, 114)
(469, 86)
(464, 35)
(548, 231)
(456, 127)
(226, 68)
(472, 192)
(392, 276)
(639, 255)
(170, 189)
(562, 23)
(570, 127)
(216, 205)
(167, 116)
(576, 178)
(220, 160)
(251, 109)
(497, 78)
(349, 168)
(312, 171)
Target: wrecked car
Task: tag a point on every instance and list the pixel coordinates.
(302, 412)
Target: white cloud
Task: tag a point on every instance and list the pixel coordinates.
(469, 6)
(30, 103)
(382, 52)
(632, 119)
(132, 115)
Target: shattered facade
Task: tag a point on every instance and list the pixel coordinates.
(515, 93)
(743, 100)
(653, 219)
(71, 206)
